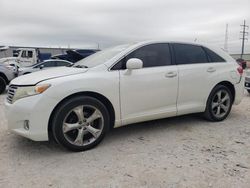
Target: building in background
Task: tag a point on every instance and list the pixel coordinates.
(245, 56)
(9, 51)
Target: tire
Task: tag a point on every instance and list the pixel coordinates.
(218, 108)
(80, 123)
(248, 91)
(2, 85)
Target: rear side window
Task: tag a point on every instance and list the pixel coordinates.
(152, 55)
(49, 64)
(61, 63)
(213, 57)
(189, 54)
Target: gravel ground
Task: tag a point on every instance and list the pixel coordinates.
(184, 151)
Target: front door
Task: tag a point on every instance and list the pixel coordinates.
(151, 92)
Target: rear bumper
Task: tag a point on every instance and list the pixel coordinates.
(239, 92)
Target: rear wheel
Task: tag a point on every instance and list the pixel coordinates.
(2, 85)
(80, 123)
(219, 104)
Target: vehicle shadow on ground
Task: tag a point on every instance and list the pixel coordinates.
(180, 123)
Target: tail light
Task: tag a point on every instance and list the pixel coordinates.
(240, 70)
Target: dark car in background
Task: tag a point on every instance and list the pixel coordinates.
(51, 63)
(74, 55)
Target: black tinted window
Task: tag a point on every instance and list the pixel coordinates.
(24, 54)
(189, 54)
(152, 55)
(49, 64)
(30, 54)
(61, 63)
(213, 57)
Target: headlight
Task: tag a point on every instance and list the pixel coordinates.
(27, 91)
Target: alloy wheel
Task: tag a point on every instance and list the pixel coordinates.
(221, 103)
(83, 125)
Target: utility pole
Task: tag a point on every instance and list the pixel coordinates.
(244, 37)
(226, 39)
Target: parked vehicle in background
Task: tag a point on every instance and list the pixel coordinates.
(7, 73)
(74, 55)
(3, 50)
(86, 53)
(122, 85)
(44, 66)
(247, 80)
(25, 57)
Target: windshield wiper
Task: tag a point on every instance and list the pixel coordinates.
(80, 66)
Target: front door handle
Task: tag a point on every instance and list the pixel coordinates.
(211, 69)
(171, 74)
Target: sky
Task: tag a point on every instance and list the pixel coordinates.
(104, 23)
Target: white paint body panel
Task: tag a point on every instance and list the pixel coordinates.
(148, 94)
(196, 83)
(136, 95)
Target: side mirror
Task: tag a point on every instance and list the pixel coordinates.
(41, 66)
(134, 63)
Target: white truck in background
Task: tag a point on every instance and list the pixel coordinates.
(23, 57)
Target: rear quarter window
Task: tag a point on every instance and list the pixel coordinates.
(213, 57)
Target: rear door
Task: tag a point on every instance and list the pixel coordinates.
(196, 74)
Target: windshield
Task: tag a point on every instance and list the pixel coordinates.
(100, 57)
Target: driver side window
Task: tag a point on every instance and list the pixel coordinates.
(152, 55)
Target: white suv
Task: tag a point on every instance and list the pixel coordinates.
(122, 85)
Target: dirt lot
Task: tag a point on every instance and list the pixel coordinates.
(177, 152)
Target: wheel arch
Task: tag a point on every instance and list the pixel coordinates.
(96, 95)
(229, 85)
(2, 75)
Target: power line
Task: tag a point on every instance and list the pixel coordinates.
(244, 36)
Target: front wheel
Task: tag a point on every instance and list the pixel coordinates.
(80, 123)
(219, 104)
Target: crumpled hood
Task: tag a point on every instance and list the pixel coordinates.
(34, 78)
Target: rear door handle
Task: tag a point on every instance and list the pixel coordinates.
(171, 74)
(211, 69)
